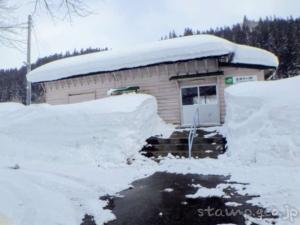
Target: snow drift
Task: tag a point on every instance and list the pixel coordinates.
(263, 122)
(109, 130)
(56, 161)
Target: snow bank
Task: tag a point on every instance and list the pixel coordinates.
(184, 48)
(263, 132)
(109, 130)
(263, 122)
(70, 155)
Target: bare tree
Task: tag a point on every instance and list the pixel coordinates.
(12, 32)
(66, 8)
(10, 29)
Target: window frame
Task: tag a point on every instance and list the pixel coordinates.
(197, 86)
(199, 92)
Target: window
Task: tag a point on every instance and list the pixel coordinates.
(208, 95)
(199, 95)
(190, 96)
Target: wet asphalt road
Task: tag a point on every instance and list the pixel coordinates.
(148, 204)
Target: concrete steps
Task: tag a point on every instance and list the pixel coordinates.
(197, 140)
(206, 144)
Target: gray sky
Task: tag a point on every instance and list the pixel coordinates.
(117, 23)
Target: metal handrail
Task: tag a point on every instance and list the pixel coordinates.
(193, 130)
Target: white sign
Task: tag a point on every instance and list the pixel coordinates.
(241, 79)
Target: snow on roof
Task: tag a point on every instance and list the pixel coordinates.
(244, 54)
(184, 48)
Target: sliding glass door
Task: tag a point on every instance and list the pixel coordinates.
(204, 98)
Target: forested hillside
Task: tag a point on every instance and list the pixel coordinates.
(13, 81)
(280, 36)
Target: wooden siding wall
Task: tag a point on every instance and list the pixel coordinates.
(153, 80)
(234, 71)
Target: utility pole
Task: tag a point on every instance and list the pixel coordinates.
(28, 63)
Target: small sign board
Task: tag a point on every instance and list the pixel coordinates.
(228, 80)
(239, 79)
(122, 90)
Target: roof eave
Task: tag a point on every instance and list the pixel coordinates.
(127, 68)
(245, 65)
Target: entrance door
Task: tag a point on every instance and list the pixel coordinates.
(205, 99)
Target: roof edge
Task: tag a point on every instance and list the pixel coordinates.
(136, 67)
(207, 74)
(246, 65)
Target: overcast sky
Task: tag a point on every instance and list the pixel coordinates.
(117, 23)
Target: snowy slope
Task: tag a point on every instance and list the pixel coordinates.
(185, 48)
(69, 156)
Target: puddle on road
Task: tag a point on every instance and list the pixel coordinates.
(161, 200)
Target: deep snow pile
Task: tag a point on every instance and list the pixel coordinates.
(68, 156)
(263, 133)
(109, 130)
(263, 122)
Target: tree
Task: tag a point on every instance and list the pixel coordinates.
(11, 32)
(13, 81)
(9, 28)
(68, 8)
(188, 31)
(277, 35)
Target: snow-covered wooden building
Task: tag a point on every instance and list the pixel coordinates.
(184, 74)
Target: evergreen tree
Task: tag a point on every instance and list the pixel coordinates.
(280, 36)
(188, 31)
(13, 81)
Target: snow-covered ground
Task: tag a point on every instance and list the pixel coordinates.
(263, 133)
(70, 155)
